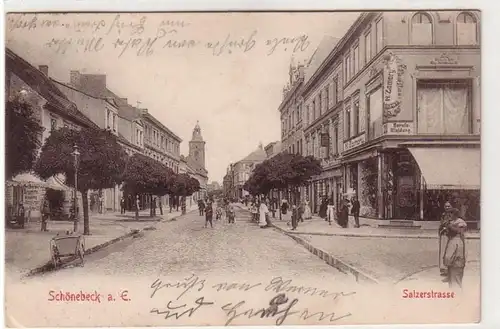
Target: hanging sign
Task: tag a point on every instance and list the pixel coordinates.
(394, 72)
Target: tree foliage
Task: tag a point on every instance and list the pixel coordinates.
(144, 175)
(101, 162)
(184, 185)
(22, 142)
(282, 171)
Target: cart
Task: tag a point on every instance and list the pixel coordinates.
(66, 249)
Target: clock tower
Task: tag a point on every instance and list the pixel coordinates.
(197, 147)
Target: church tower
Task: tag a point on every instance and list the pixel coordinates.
(197, 147)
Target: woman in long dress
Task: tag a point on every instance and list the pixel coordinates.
(263, 211)
(307, 210)
(330, 211)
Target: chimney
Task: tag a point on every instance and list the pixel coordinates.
(144, 111)
(44, 69)
(74, 78)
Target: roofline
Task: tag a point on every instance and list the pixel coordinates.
(76, 89)
(338, 47)
(152, 118)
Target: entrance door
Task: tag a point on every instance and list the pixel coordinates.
(406, 197)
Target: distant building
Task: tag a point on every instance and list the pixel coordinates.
(213, 186)
(243, 169)
(272, 149)
(228, 182)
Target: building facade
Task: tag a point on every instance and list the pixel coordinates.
(407, 117)
(242, 170)
(54, 111)
(272, 149)
(228, 182)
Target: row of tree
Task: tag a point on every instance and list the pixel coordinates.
(102, 163)
(283, 171)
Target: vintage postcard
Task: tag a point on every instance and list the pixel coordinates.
(242, 168)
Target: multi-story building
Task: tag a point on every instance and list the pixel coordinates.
(409, 116)
(131, 127)
(228, 182)
(54, 110)
(243, 169)
(92, 97)
(272, 149)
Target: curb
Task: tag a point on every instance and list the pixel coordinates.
(49, 266)
(330, 259)
(384, 236)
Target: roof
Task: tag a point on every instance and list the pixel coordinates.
(45, 87)
(258, 155)
(161, 125)
(128, 111)
(324, 48)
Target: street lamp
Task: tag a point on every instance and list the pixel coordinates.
(76, 154)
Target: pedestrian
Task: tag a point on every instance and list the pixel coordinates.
(263, 212)
(171, 203)
(254, 211)
(330, 211)
(323, 208)
(231, 214)
(301, 212)
(101, 204)
(209, 215)
(20, 215)
(137, 207)
(45, 214)
(454, 256)
(355, 211)
(343, 214)
(307, 210)
(284, 206)
(201, 207)
(160, 206)
(447, 217)
(295, 217)
(122, 205)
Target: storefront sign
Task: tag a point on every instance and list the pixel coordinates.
(393, 85)
(398, 128)
(325, 140)
(355, 142)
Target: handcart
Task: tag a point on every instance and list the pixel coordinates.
(66, 249)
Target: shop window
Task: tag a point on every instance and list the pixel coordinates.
(466, 29)
(421, 29)
(375, 113)
(443, 107)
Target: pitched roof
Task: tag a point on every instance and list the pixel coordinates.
(324, 48)
(44, 86)
(258, 155)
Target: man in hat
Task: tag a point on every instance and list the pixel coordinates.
(454, 256)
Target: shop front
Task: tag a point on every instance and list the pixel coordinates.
(326, 185)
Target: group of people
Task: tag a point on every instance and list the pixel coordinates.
(224, 210)
(452, 245)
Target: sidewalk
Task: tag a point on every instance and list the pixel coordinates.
(376, 254)
(28, 248)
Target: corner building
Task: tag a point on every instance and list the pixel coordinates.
(408, 122)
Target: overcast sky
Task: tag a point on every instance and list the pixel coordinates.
(233, 93)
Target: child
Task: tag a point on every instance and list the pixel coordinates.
(218, 213)
(454, 256)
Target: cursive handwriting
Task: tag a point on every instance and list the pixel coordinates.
(230, 44)
(135, 27)
(169, 311)
(277, 284)
(234, 311)
(297, 43)
(322, 316)
(189, 283)
(224, 286)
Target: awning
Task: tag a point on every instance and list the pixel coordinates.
(26, 179)
(446, 168)
(55, 183)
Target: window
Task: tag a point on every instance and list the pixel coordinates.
(313, 116)
(297, 149)
(466, 29)
(443, 107)
(347, 67)
(355, 114)
(108, 120)
(320, 103)
(368, 47)
(301, 151)
(347, 121)
(327, 97)
(53, 123)
(335, 139)
(375, 113)
(421, 29)
(336, 90)
(313, 145)
(114, 122)
(355, 59)
(379, 31)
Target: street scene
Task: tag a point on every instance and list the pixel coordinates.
(324, 166)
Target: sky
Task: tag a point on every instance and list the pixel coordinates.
(225, 70)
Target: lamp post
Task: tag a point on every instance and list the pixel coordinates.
(76, 154)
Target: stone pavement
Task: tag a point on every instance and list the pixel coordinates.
(28, 248)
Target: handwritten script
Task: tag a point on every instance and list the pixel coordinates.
(280, 307)
(143, 36)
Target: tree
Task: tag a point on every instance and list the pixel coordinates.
(22, 137)
(184, 185)
(101, 162)
(144, 175)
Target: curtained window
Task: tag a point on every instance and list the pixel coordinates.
(443, 107)
(375, 113)
(421, 29)
(466, 29)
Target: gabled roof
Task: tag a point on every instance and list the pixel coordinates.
(257, 155)
(44, 86)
